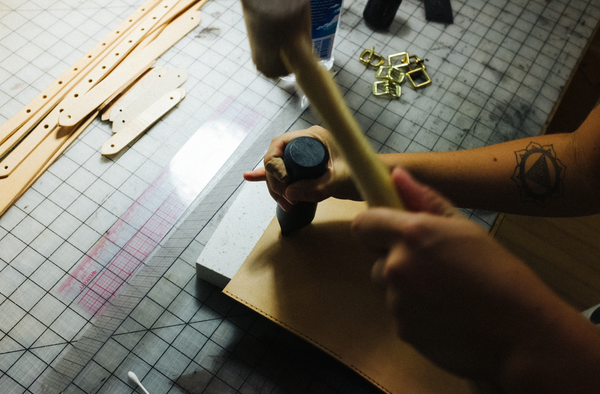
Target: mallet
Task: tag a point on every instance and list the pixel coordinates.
(280, 39)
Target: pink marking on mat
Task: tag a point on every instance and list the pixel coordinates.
(122, 250)
(132, 255)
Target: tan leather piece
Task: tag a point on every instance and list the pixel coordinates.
(316, 283)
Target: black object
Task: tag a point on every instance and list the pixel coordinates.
(595, 316)
(304, 158)
(380, 13)
(438, 11)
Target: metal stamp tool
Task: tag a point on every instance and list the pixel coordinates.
(304, 158)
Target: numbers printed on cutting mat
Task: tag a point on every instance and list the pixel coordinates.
(166, 82)
(142, 122)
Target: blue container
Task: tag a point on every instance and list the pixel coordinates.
(325, 16)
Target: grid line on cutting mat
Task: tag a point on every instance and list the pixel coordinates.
(214, 343)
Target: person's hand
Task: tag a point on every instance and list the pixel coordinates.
(460, 298)
(336, 182)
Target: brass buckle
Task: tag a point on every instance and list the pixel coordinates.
(402, 59)
(419, 71)
(395, 90)
(386, 88)
(370, 58)
(381, 84)
(415, 60)
(392, 73)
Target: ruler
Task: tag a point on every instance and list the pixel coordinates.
(115, 274)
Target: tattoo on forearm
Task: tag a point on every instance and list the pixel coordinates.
(539, 174)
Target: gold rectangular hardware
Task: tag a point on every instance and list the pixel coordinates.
(418, 72)
(401, 59)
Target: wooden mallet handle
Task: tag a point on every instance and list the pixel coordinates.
(370, 174)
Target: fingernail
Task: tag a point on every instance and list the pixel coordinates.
(283, 205)
(288, 198)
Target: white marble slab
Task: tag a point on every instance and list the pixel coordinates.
(235, 237)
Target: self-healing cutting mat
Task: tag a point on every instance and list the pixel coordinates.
(316, 283)
(496, 74)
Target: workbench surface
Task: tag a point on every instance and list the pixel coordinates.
(497, 73)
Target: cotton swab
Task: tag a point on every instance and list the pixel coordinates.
(134, 377)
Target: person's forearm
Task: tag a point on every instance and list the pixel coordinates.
(533, 176)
